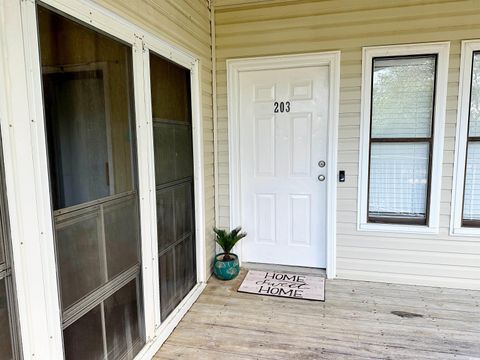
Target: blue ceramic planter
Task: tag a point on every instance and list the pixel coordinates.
(226, 270)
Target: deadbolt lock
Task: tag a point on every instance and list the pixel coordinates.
(321, 163)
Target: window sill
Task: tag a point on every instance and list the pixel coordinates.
(465, 231)
(397, 228)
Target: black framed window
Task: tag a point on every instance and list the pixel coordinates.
(471, 194)
(401, 138)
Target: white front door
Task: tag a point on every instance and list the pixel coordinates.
(283, 153)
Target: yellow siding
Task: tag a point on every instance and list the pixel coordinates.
(287, 27)
(186, 24)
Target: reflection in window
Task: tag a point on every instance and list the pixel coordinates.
(401, 139)
(172, 131)
(89, 115)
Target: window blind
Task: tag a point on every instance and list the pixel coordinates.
(401, 137)
(471, 201)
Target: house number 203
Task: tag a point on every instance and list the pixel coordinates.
(281, 106)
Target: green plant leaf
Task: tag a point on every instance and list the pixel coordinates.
(227, 240)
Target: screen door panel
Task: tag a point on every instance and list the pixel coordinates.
(90, 122)
(172, 137)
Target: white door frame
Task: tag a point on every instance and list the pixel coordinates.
(26, 172)
(237, 66)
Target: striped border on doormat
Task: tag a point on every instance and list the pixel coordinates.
(284, 284)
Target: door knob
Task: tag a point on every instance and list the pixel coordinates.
(321, 177)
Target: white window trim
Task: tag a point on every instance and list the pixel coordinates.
(26, 172)
(441, 49)
(463, 113)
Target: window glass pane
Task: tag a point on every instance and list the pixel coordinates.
(164, 143)
(170, 90)
(474, 126)
(122, 327)
(167, 282)
(5, 337)
(83, 339)
(121, 235)
(471, 203)
(174, 142)
(183, 149)
(398, 179)
(79, 253)
(185, 272)
(165, 219)
(183, 210)
(89, 113)
(2, 249)
(402, 97)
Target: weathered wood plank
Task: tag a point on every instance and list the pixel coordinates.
(354, 322)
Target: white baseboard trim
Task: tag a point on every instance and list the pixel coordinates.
(166, 328)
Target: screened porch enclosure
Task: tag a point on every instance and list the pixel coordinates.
(90, 125)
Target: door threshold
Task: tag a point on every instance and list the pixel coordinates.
(285, 268)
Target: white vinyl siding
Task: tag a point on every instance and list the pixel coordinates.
(263, 29)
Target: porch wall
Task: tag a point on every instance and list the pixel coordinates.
(186, 24)
(348, 25)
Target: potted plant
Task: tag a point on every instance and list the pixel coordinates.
(226, 266)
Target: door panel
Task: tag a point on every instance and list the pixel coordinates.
(173, 151)
(90, 123)
(283, 136)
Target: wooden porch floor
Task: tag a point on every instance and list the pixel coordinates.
(354, 322)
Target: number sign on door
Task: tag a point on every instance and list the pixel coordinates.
(281, 106)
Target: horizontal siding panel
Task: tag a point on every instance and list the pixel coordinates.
(322, 32)
(410, 14)
(409, 268)
(265, 13)
(426, 244)
(451, 282)
(412, 255)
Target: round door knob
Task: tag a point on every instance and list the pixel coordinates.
(321, 177)
(321, 163)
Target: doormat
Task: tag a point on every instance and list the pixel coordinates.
(289, 285)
